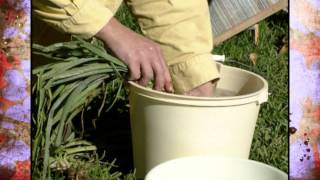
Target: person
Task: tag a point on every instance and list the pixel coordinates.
(174, 51)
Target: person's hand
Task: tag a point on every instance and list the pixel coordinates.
(143, 57)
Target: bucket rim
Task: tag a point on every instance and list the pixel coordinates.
(263, 92)
(219, 158)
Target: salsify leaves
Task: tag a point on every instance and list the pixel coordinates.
(80, 71)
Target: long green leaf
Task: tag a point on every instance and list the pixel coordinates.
(73, 98)
(65, 66)
(100, 53)
(48, 130)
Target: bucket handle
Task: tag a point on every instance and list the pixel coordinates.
(263, 96)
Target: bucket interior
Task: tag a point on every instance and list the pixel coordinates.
(237, 82)
(235, 87)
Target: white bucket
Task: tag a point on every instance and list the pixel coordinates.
(167, 126)
(214, 168)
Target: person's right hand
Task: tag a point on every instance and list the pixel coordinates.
(143, 57)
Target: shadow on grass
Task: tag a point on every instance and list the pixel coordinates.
(112, 135)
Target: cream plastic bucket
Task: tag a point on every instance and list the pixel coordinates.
(167, 126)
(214, 168)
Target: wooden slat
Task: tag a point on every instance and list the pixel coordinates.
(228, 18)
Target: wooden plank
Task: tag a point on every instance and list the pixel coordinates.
(250, 21)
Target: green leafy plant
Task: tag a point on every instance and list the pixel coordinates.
(81, 71)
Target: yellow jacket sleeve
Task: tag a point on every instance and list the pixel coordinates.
(79, 17)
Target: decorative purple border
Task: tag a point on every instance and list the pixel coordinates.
(304, 89)
(15, 90)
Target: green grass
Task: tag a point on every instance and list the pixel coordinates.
(270, 142)
(92, 170)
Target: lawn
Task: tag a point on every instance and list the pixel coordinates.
(110, 132)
